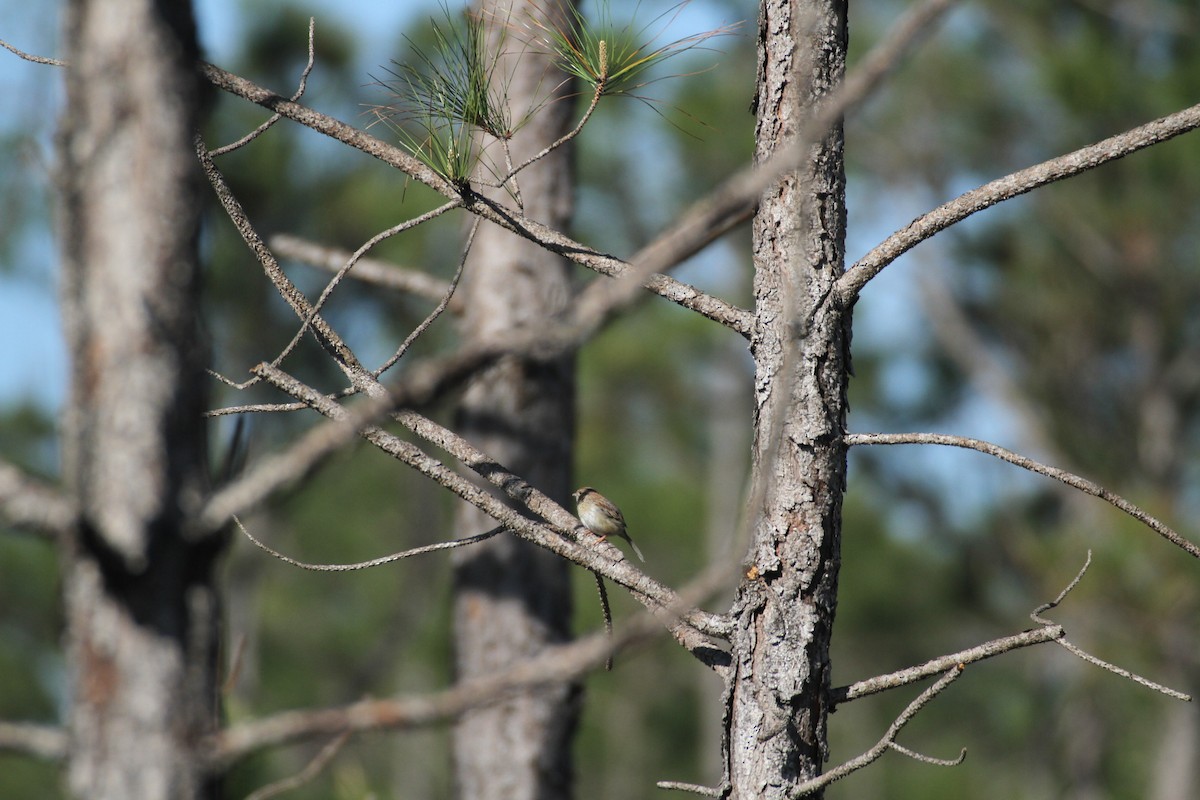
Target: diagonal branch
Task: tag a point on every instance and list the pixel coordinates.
(511, 219)
(889, 737)
(1069, 478)
(691, 628)
(1008, 187)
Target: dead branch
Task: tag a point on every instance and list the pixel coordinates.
(53, 62)
(1070, 479)
(995, 647)
(263, 128)
(368, 270)
(328, 338)
(1010, 186)
(558, 664)
(374, 562)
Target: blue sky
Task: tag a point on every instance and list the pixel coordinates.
(33, 365)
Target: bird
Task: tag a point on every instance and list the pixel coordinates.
(602, 517)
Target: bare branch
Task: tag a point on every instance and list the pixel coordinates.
(1070, 479)
(1037, 617)
(53, 62)
(995, 647)
(1018, 183)
(924, 759)
(557, 664)
(40, 741)
(442, 305)
(884, 744)
(694, 788)
(374, 562)
(263, 128)
(1124, 673)
(368, 270)
(1036, 614)
(32, 505)
(310, 771)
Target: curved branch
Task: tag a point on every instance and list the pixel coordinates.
(374, 562)
(53, 62)
(264, 127)
(889, 737)
(1008, 187)
(1069, 478)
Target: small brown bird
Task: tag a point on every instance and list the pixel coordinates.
(602, 517)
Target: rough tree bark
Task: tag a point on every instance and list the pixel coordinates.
(513, 599)
(776, 714)
(139, 600)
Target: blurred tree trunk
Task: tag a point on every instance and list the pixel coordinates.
(513, 599)
(140, 605)
(784, 609)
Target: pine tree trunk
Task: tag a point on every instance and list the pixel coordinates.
(139, 600)
(784, 609)
(513, 599)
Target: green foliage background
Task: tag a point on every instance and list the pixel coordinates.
(1081, 298)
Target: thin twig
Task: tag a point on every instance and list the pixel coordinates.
(1037, 617)
(374, 562)
(442, 305)
(53, 62)
(694, 788)
(252, 408)
(263, 128)
(1036, 614)
(884, 744)
(924, 759)
(566, 137)
(362, 250)
(368, 270)
(1069, 478)
(310, 771)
